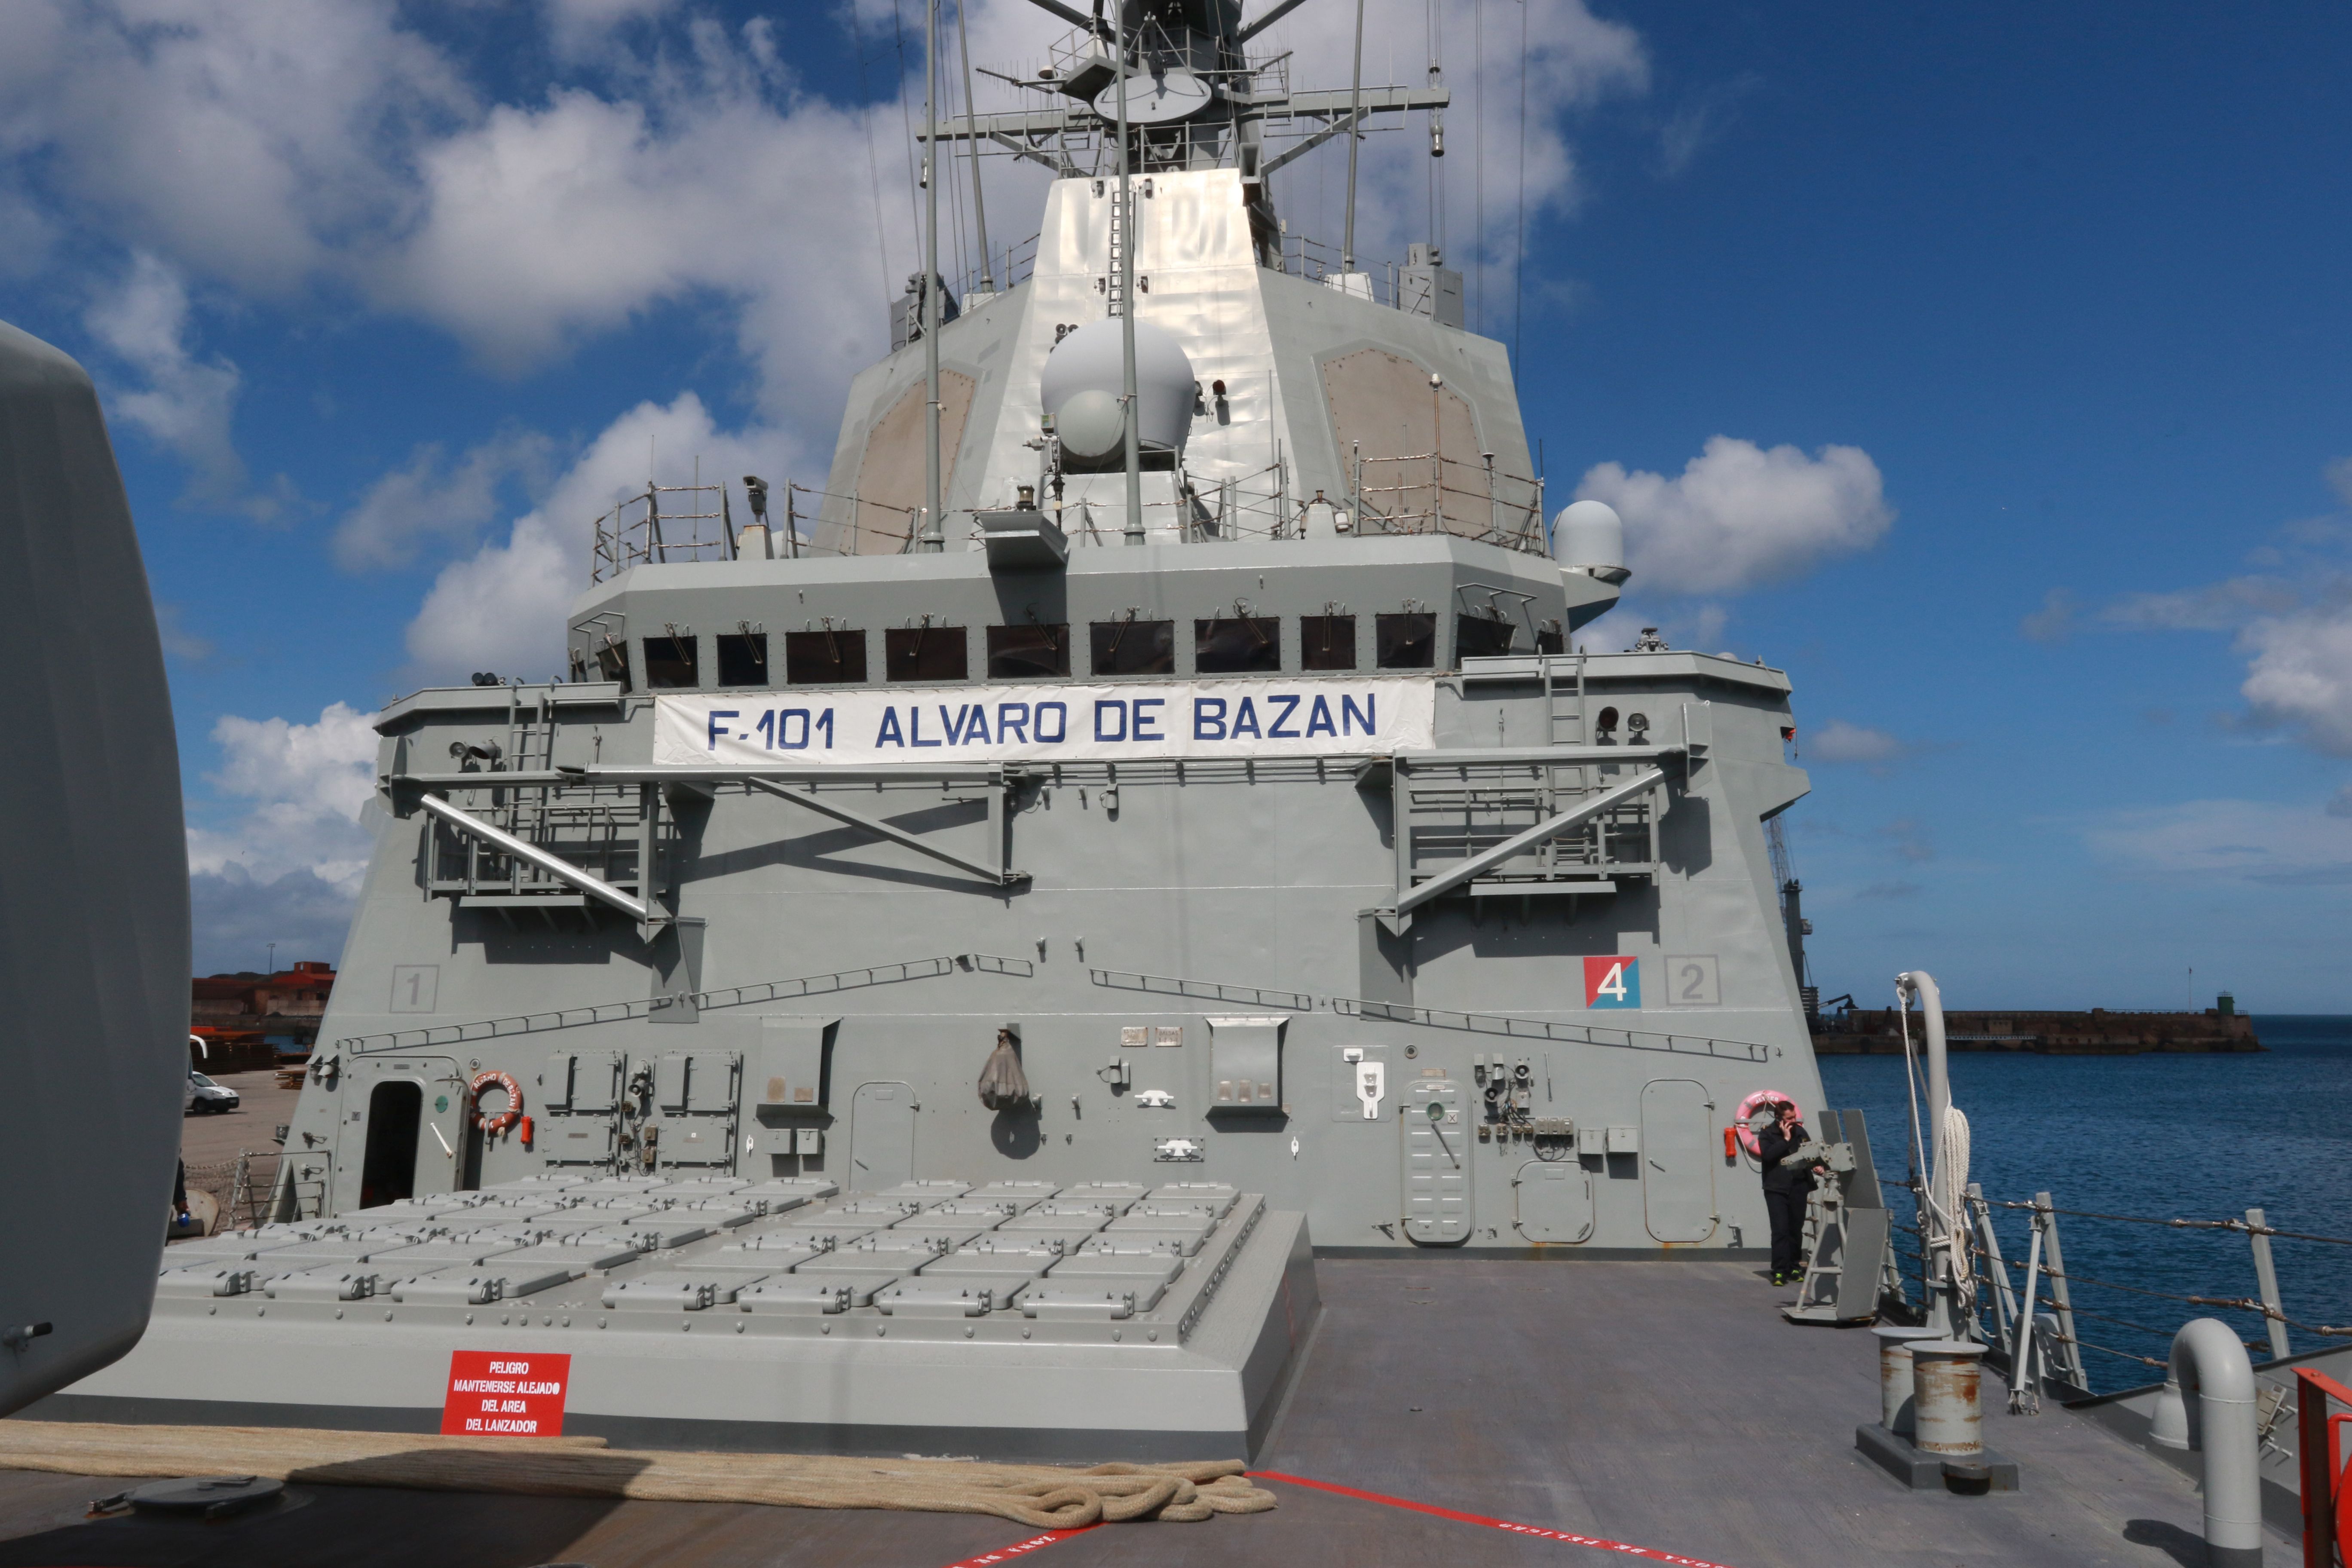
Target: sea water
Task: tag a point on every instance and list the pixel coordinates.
(2155, 1136)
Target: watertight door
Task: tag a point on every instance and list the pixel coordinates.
(1436, 1163)
(1677, 1178)
(1555, 1199)
(403, 1133)
(881, 1136)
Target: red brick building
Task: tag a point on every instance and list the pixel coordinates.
(238, 1015)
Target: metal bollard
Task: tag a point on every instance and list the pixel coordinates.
(1895, 1401)
(1946, 1379)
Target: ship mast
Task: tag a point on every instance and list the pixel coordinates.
(1123, 228)
(932, 537)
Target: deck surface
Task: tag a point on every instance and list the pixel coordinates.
(1661, 1405)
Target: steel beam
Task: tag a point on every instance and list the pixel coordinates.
(1340, 126)
(977, 774)
(555, 866)
(1445, 882)
(999, 876)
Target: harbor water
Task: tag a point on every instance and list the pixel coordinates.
(2156, 1136)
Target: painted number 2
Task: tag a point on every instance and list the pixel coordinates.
(1694, 980)
(1614, 982)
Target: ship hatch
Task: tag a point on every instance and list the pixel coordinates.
(395, 1121)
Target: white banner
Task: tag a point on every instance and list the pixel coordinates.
(1129, 722)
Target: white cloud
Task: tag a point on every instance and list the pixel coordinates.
(2231, 840)
(2300, 676)
(429, 498)
(1703, 118)
(237, 918)
(249, 144)
(1739, 516)
(502, 608)
(307, 784)
(2053, 622)
(542, 225)
(577, 27)
(186, 403)
(2216, 608)
(1839, 741)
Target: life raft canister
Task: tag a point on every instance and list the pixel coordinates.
(1743, 1134)
(493, 1125)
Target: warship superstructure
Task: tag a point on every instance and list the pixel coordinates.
(958, 948)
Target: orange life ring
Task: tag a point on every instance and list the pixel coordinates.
(1748, 1108)
(493, 1125)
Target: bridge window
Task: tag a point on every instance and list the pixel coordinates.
(1026, 652)
(833, 657)
(672, 662)
(1482, 637)
(925, 653)
(1134, 647)
(1407, 641)
(743, 659)
(1241, 644)
(1326, 642)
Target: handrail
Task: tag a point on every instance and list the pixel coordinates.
(2315, 1463)
(1547, 1029)
(1200, 990)
(554, 864)
(732, 996)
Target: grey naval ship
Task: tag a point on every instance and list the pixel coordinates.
(1126, 924)
(1006, 913)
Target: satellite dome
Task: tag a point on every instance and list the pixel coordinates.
(1588, 536)
(1083, 380)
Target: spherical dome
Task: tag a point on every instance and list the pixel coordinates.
(1589, 534)
(1089, 425)
(1089, 360)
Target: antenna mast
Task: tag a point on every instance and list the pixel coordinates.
(1125, 230)
(971, 123)
(1355, 139)
(931, 536)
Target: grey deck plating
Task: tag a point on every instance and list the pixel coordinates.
(1663, 1404)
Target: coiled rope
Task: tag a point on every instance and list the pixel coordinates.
(1951, 1190)
(1046, 1497)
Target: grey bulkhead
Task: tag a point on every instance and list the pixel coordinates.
(1202, 874)
(1169, 910)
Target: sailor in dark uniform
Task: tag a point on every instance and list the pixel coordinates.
(1785, 1188)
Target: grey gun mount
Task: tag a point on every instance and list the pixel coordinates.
(97, 869)
(1325, 894)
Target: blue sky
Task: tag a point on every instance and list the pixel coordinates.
(1985, 368)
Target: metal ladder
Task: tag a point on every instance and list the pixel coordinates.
(1564, 721)
(1566, 724)
(1114, 288)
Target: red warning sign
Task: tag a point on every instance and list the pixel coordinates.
(505, 1394)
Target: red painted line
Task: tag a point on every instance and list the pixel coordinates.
(1536, 1530)
(1019, 1548)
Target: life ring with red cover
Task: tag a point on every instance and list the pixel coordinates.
(492, 1125)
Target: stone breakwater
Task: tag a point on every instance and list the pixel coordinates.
(2096, 1033)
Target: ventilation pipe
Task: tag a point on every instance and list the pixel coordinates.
(2207, 1406)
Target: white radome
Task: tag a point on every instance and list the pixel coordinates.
(1588, 536)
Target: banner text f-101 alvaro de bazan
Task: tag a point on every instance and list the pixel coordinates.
(1130, 721)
